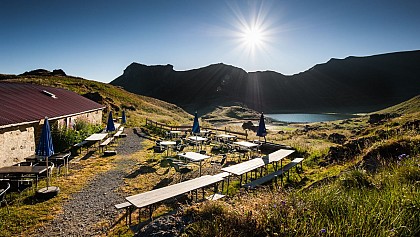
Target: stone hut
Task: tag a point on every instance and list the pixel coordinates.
(23, 108)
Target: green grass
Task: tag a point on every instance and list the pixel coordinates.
(27, 213)
(366, 205)
(406, 107)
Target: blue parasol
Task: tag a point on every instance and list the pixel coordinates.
(196, 124)
(45, 146)
(110, 125)
(124, 118)
(262, 131)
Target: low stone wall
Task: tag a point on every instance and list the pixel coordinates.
(16, 144)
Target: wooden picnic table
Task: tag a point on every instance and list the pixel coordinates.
(154, 196)
(197, 139)
(23, 170)
(57, 159)
(168, 145)
(246, 144)
(96, 137)
(278, 156)
(245, 167)
(195, 157)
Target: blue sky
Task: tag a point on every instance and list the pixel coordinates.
(98, 39)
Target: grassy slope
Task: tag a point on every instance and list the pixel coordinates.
(337, 198)
(406, 107)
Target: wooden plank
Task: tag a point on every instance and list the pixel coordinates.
(80, 144)
(117, 134)
(279, 155)
(96, 137)
(161, 194)
(107, 141)
(245, 167)
(272, 175)
(221, 175)
(122, 205)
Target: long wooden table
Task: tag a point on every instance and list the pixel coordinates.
(96, 137)
(278, 156)
(245, 167)
(17, 171)
(252, 164)
(161, 194)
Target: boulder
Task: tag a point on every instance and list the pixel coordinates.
(337, 138)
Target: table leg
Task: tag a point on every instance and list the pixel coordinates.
(67, 167)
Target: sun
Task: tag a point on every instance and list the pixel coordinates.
(252, 29)
(252, 37)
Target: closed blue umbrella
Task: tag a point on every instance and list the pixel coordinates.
(124, 118)
(196, 124)
(45, 146)
(110, 124)
(262, 131)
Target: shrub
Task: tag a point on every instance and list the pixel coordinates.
(63, 138)
(356, 178)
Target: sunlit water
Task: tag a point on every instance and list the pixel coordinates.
(309, 118)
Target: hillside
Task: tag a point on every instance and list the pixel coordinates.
(113, 97)
(353, 84)
(410, 106)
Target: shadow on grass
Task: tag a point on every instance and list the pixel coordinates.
(87, 155)
(142, 170)
(163, 183)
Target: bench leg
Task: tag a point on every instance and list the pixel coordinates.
(223, 186)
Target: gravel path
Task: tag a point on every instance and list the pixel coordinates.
(94, 204)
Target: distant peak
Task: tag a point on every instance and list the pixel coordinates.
(134, 64)
(44, 72)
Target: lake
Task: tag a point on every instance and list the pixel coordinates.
(309, 118)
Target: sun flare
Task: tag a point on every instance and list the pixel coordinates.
(252, 37)
(252, 30)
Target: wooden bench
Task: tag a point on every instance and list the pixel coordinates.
(117, 134)
(278, 173)
(127, 206)
(80, 145)
(106, 142)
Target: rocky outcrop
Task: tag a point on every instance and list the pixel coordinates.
(43, 72)
(337, 138)
(381, 118)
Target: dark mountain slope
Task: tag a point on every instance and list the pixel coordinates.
(354, 84)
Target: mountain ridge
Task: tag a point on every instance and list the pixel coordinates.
(353, 84)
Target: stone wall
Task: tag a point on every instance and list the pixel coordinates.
(16, 144)
(94, 117)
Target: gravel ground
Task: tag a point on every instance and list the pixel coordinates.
(87, 210)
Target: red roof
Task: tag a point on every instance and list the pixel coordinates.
(23, 103)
